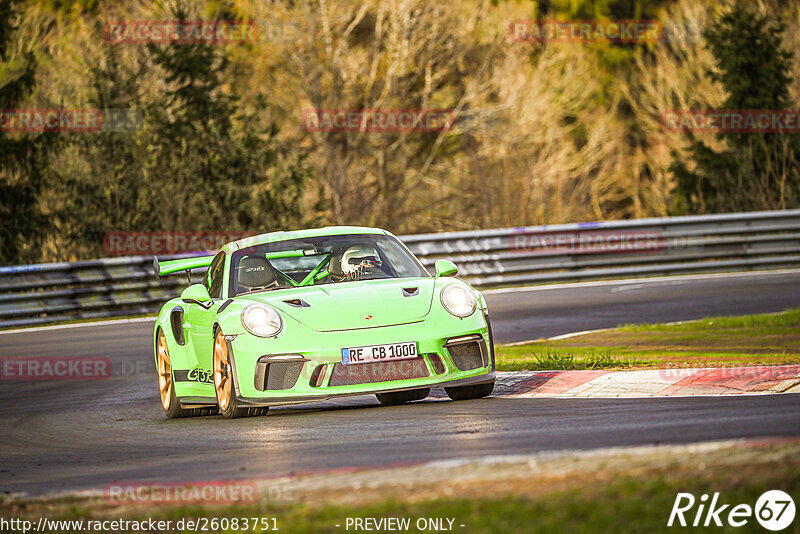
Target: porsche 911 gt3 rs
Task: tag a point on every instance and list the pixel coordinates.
(290, 317)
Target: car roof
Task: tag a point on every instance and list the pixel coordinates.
(273, 237)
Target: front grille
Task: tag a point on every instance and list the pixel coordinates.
(467, 356)
(271, 376)
(366, 373)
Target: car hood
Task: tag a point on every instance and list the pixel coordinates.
(351, 305)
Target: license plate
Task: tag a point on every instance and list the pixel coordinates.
(380, 353)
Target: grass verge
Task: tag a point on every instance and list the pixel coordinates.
(767, 339)
(626, 490)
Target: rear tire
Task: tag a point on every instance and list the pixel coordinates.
(224, 387)
(401, 397)
(477, 391)
(166, 385)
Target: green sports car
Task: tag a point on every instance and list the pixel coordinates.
(290, 317)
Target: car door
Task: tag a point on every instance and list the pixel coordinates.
(201, 336)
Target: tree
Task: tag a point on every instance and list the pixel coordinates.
(753, 171)
(194, 160)
(96, 183)
(212, 165)
(23, 156)
(370, 56)
(590, 9)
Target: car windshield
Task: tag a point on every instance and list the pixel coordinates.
(321, 260)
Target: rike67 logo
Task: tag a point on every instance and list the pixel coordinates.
(774, 510)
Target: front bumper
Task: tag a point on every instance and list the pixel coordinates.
(275, 401)
(319, 355)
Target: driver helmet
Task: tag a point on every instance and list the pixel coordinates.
(360, 260)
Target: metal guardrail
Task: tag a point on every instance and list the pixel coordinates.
(52, 292)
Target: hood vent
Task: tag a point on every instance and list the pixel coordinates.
(297, 303)
(410, 291)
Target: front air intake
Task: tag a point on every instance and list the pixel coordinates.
(437, 363)
(468, 352)
(274, 373)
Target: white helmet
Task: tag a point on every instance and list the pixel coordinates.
(359, 260)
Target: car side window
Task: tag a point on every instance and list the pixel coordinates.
(214, 276)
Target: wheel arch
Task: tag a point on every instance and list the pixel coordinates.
(163, 322)
(156, 331)
(217, 327)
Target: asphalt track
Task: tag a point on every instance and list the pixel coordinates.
(58, 436)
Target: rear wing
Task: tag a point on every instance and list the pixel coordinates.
(160, 268)
(184, 264)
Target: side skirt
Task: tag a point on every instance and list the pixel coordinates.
(197, 402)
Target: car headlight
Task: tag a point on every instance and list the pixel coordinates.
(261, 320)
(458, 300)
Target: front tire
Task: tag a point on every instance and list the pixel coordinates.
(224, 387)
(166, 384)
(477, 391)
(401, 397)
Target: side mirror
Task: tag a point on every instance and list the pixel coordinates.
(197, 294)
(445, 268)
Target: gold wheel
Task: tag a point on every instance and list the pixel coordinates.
(223, 379)
(164, 372)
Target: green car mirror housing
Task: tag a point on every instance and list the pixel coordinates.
(445, 268)
(197, 294)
